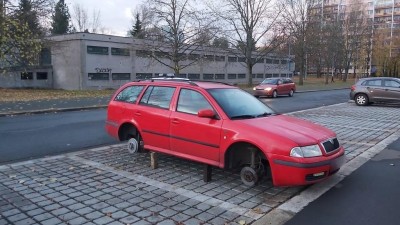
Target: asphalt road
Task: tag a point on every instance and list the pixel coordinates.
(32, 136)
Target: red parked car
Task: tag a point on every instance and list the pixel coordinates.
(275, 86)
(222, 126)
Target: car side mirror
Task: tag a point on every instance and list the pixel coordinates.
(206, 113)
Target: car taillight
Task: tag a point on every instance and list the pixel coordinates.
(353, 87)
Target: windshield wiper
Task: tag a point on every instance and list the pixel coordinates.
(264, 114)
(243, 117)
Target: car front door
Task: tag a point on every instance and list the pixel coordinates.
(392, 88)
(191, 136)
(375, 89)
(152, 115)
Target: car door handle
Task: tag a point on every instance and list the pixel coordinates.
(175, 121)
(138, 113)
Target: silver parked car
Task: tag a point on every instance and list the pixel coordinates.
(376, 89)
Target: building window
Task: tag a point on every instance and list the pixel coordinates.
(120, 51)
(232, 59)
(268, 75)
(231, 76)
(193, 56)
(41, 76)
(182, 75)
(253, 76)
(26, 76)
(194, 76)
(45, 57)
(208, 57)
(143, 76)
(220, 76)
(275, 61)
(160, 54)
(121, 76)
(97, 50)
(208, 76)
(284, 61)
(242, 59)
(143, 53)
(242, 76)
(268, 61)
(220, 58)
(260, 60)
(275, 75)
(260, 75)
(98, 76)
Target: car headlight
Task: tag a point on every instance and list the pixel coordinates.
(254, 88)
(306, 151)
(268, 89)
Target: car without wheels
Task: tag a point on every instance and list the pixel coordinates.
(222, 126)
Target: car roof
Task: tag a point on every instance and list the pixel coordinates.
(186, 82)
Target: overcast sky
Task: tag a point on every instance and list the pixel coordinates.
(116, 15)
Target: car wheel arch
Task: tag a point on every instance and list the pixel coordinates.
(127, 130)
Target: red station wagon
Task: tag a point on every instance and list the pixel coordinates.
(275, 86)
(223, 126)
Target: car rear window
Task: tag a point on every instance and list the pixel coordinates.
(377, 82)
(159, 97)
(129, 94)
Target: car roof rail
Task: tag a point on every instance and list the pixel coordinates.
(178, 79)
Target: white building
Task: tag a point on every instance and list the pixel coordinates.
(95, 61)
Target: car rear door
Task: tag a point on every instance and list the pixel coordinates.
(152, 115)
(392, 88)
(191, 136)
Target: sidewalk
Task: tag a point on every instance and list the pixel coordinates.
(110, 186)
(43, 106)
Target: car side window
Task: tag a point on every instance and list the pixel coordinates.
(158, 97)
(373, 83)
(129, 94)
(392, 83)
(191, 102)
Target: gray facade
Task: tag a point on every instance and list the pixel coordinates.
(95, 61)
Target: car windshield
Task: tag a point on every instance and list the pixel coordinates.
(270, 81)
(238, 104)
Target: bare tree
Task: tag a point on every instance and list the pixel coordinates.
(82, 22)
(252, 28)
(356, 33)
(173, 33)
(300, 18)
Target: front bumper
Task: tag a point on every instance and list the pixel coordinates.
(290, 172)
(262, 93)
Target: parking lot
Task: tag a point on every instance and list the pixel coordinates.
(110, 186)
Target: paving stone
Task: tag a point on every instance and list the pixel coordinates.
(180, 207)
(143, 214)
(129, 220)
(77, 221)
(193, 221)
(60, 211)
(94, 215)
(180, 217)
(51, 221)
(69, 216)
(103, 220)
(192, 211)
(84, 211)
(133, 209)
(119, 214)
(100, 205)
(168, 212)
(17, 217)
(26, 221)
(204, 216)
(167, 222)
(110, 209)
(76, 206)
(216, 210)
(51, 207)
(10, 212)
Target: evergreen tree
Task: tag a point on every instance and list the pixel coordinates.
(26, 15)
(61, 19)
(137, 30)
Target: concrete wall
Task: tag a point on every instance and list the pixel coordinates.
(35, 79)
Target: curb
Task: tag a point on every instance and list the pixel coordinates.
(53, 110)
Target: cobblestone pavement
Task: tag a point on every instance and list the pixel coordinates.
(110, 186)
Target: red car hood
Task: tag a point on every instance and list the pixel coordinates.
(300, 131)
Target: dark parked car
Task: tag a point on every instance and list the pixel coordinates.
(376, 89)
(274, 87)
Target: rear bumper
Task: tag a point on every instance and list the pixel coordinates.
(288, 172)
